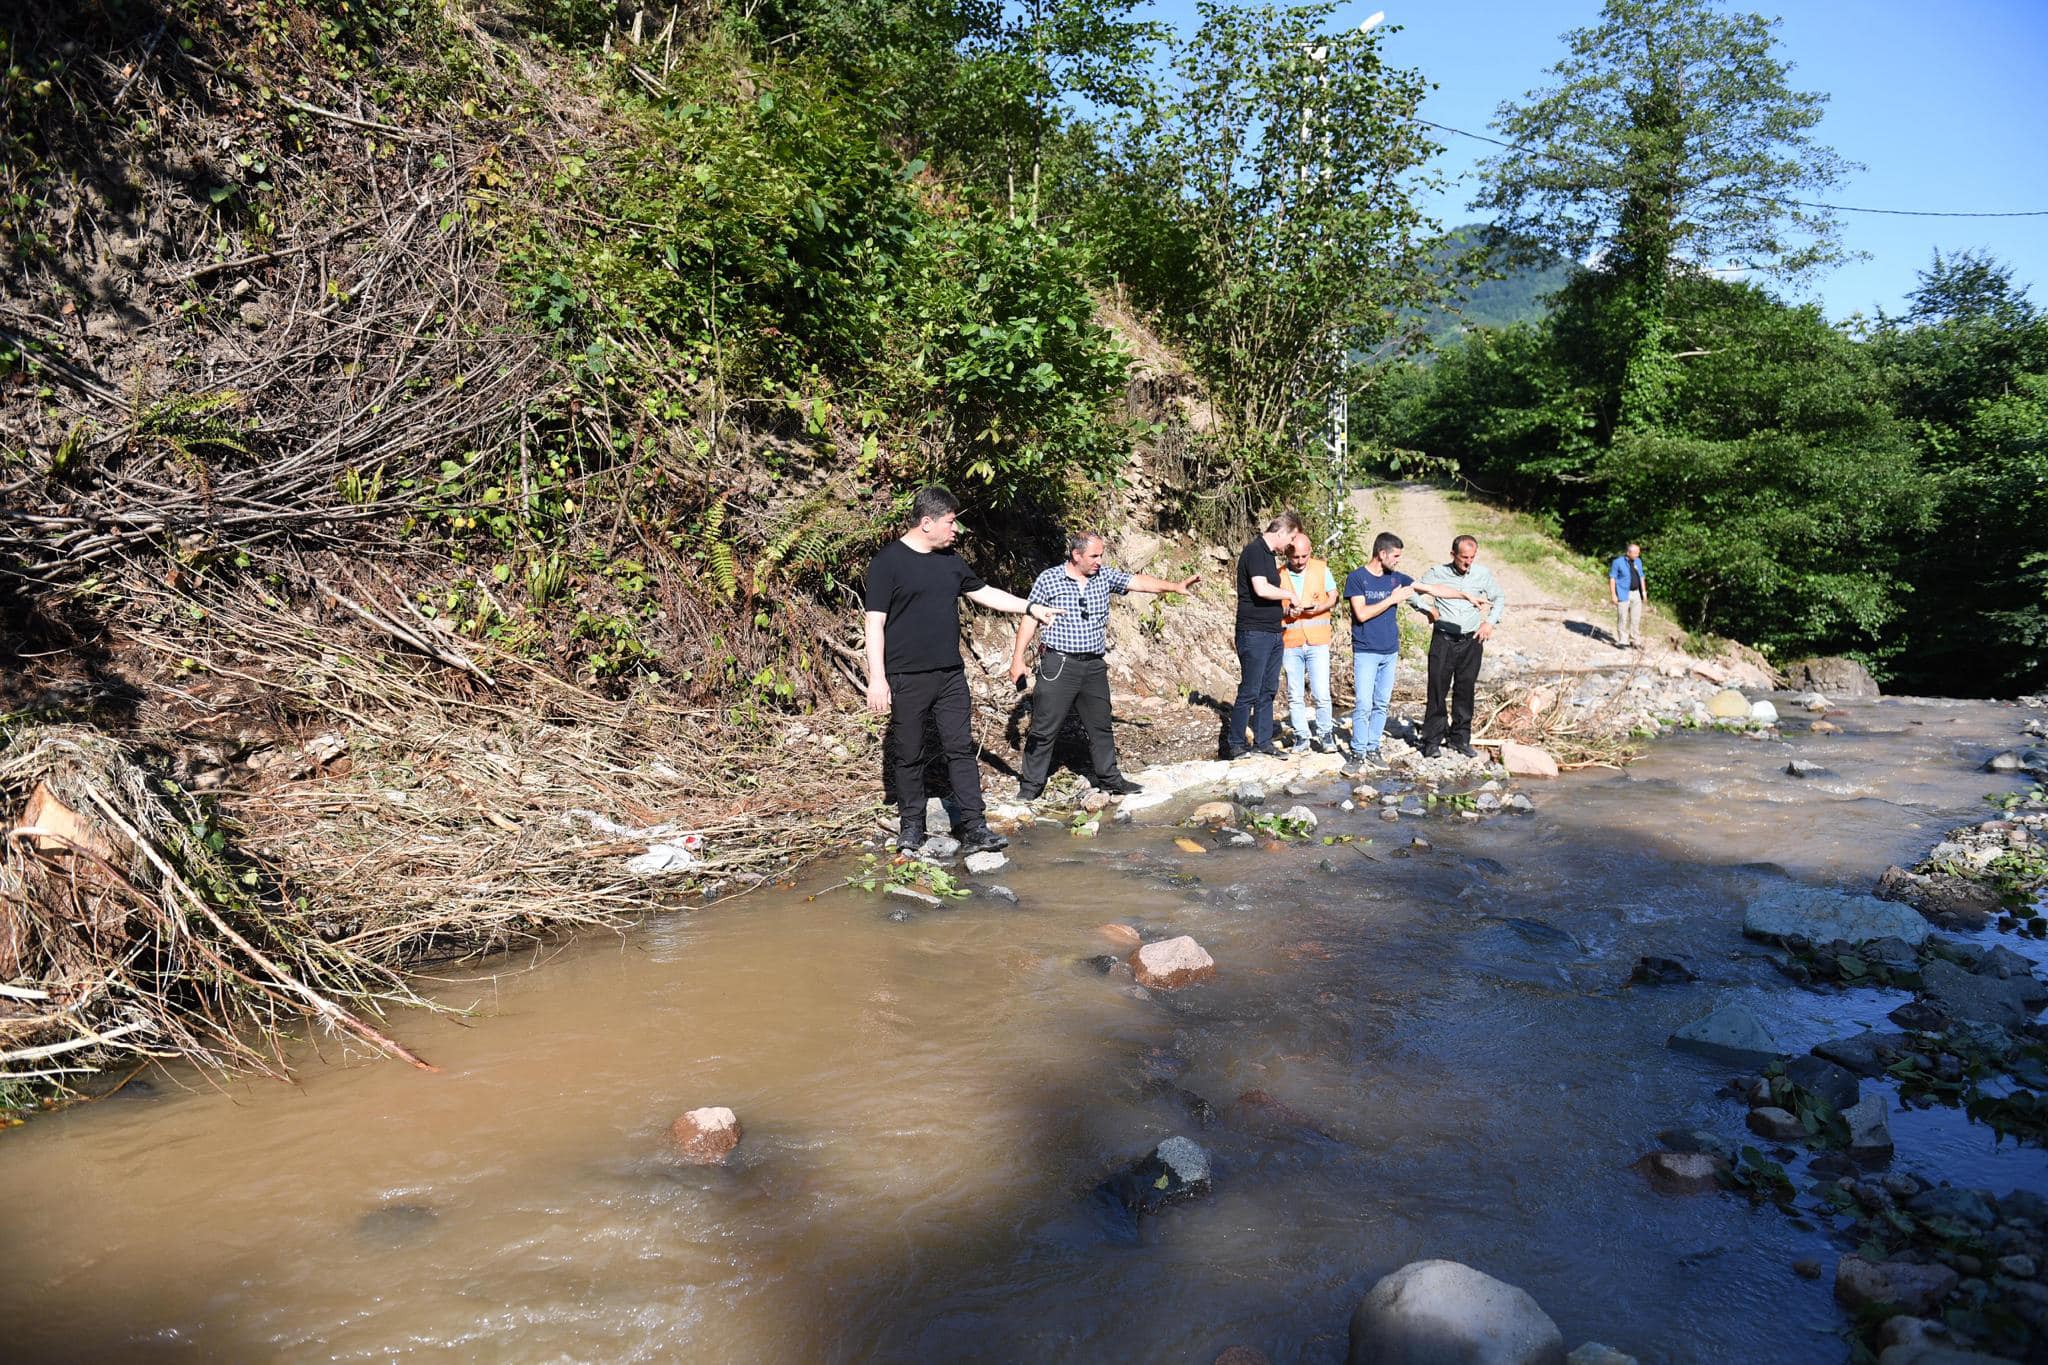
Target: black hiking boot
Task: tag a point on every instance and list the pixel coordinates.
(910, 836)
(982, 839)
(1116, 784)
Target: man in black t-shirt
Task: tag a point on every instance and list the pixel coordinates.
(914, 669)
(1261, 595)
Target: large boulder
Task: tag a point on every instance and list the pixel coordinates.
(1444, 1313)
(1870, 1131)
(1526, 760)
(1866, 1053)
(1821, 916)
(1943, 897)
(1730, 1034)
(1175, 1171)
(704, 1137)
(1917, 1289)
(1171, 964)
(1978, 999)
(1836, 676)
(1682, 1172)
(1728, 704)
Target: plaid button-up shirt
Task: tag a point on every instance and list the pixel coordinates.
(1082, 626)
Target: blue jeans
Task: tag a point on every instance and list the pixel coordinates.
(1258, 661)
(1313, 660)
(1372, 685)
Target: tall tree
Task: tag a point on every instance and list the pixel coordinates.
(1284, 164)
(1671, 140)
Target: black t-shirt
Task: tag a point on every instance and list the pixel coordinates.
(920, 593)
(1257, 560)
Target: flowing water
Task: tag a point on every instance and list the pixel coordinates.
(928, 1103)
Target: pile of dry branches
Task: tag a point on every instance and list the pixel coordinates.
(427, 821)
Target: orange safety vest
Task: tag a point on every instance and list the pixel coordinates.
(1316, 629)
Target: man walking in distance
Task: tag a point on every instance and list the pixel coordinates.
(1305, 645)
(1629, 589)
(1375, 592)
(1464, 606)
(914, 668)
(1261, 598)
(1073, 675)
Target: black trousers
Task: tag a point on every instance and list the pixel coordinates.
(1068, 683)
(1453, 675)
(1259, 655)
(939, 698)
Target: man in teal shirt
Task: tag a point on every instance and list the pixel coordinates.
(1464, 605)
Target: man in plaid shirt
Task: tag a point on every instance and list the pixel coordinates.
(1073, 675)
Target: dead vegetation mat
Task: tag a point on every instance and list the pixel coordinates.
(298, 817)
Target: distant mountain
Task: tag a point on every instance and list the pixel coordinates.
(1516, 297)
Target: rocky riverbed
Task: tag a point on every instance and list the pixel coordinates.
(1423, 1063)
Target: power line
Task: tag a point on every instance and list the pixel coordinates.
(1799, 203)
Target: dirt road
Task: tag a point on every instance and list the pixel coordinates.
(1559, 618)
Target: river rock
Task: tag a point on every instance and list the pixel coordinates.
(983, 863)
(1763, 713)
(1978, 999)
(1728, 704)
(1250, 794)
(2007, 762)
(704, 1137)
(1681, 1172)
(1660, 971)
(1799, 767)
(1941, 896)
(1916, 1289)
(1825, 727)
(1935, 1353)
(1302, 816)
(1598, 1353)
(1821, 1077)
(1834, 675)
(1123, 935)
(1241, 1355)
(1216, 813)
(1866, 1053)
(1172, 964)
(1870, 1131)
(911, 893)
(1001, 893)
(1970, 1208)
(1526, 760)
(1731, 1033)
(1520, 804)
(1821, 916)
(1175, 1171)
(1779, 1125)
(1444, 1313)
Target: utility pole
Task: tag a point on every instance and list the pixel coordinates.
(1337, 431)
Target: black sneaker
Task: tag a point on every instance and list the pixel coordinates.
(982, 839)
(1269, 750)
(1116, 784)
(1430, 751)
(1465, 749)
(1029, 793)
(1231, 755)
(910, 836)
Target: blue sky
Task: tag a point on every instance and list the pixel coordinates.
(1939, 100)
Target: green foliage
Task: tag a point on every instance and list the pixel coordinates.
(1969, 368)
(755, 229)
(1264, 212)
(875, 874)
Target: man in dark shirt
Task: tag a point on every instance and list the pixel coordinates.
(1261, 594)
(915, 673)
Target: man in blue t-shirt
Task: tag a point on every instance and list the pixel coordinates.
(1629, 589)
(1374, 592)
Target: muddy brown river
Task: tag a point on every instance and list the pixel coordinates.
(928, 1104)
